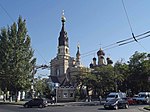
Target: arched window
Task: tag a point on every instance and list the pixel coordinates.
(57, 72)
(67, 51)
(58, 50)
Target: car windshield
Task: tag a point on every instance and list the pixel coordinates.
(142, 95)
(112, 101)
(111, 96)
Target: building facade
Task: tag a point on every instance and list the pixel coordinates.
(101, 60)
(64, 67)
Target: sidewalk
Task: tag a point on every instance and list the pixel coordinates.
(143, 110)
(92, 103)
(13, 102)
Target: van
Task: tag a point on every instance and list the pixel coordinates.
(143, 97)
(114, 95)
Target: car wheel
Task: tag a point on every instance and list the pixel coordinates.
(126, 106)
(116, 107)
(26, 106)
(105, 108)
(41, 106)
(147, 101)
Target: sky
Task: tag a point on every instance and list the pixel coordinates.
(91, 23)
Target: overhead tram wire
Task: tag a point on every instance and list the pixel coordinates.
(119, 43)
(127, 17)
(125, 41)
(134, 36)
(6, 12)
(128, 40)
(89, 52)
(41, 56)
(131, 26)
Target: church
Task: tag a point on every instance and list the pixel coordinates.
(64, 67)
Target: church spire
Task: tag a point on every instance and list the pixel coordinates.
(78, 63)
(78, 52)
(63, 39)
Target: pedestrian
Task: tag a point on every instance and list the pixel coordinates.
(4, 97)
(53, 98)
(100, 99)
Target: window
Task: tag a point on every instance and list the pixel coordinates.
(71, 94)
(65, 95)
(58, 50)
(67, 51)
(57, 72)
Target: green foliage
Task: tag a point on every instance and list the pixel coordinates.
(38, 85)
(122, 72)
(41, 88)
(105, 79)
(131, 77)
(139, 68)
(16, 56)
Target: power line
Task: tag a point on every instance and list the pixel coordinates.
(127, 16)
(129, 40)
(13, 21)
(41, 56)
(120, 43)
(89, 52)
(131, 26)
(6, 12)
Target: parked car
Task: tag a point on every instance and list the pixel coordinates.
(143, 97)
(113, 95)
(134, 97)
(37, 102)
(131, 101)
(116, 103)
(49, 101)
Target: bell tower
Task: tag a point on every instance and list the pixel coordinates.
(63, 46)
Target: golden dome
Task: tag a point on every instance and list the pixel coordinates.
(100, 52)
(63, 18)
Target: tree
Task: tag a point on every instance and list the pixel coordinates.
(105, 79)
(121, 71)
(83, 80)
(89, 82)
(139, 68)
(16, 57)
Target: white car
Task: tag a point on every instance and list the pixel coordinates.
(143, 97)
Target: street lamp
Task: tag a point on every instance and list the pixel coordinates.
(56, 87)
(32, 90)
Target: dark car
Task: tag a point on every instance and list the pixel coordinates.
(37, 102)
(116, 103)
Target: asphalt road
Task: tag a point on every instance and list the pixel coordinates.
(69, 108)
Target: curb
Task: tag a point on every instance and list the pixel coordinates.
(21, 103)
(144, 109)
(58, 104)
(148, 109)
(12, 103)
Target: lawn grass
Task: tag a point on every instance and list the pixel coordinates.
(147, 107)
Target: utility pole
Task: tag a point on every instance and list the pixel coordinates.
(34, 70)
